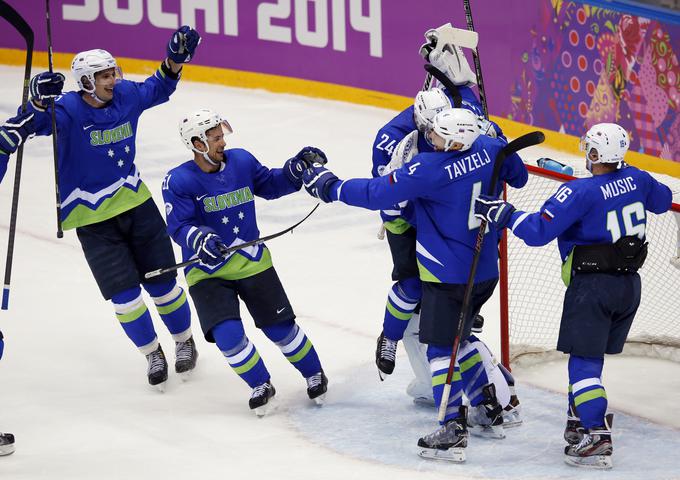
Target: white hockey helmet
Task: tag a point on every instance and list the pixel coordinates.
(86, 64)
(609, 140)
(456, 125)
(427, 104)
(197, 123)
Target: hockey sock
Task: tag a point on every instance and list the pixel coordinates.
(135, 319)
(439, 358)
(401, 301)
(472, 372)
(240, 352)
(295, 345)
(586, 389)
(171, 303)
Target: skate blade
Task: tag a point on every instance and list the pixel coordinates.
(320, 400)
(160, 387)
(595, 462)
(424, 401)
(382, 375)
(6, 450)
(266, 409)
(488, 431)
(185, 376)
(456, 455)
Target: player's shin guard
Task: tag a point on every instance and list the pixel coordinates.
(295, 345)
(439, 358)
(587, 391)
(135, 319)
(171, 303)
(240, 352)
(401, 301)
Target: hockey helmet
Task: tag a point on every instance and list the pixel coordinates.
(605, 143)
(427, 104)
(86, 64)
(197, 123)
(456, 125)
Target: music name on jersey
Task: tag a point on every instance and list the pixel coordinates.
(468, 164)
(618, 187)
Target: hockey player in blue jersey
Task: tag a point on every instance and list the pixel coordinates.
(104, 199)
(600, 226)
(441, 185)
(13, 133)
(209, 205)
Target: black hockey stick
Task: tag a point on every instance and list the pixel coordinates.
(446, 81)
(528, 140)
(11, 15)
(60, 232)
(475, 57)
(229, 250)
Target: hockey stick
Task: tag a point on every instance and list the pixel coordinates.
(446, 82)
(475, 57)
(227, 251)
(528, 140)
(60, 232)
(11, 15)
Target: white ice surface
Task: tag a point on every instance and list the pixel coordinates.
(73, 388)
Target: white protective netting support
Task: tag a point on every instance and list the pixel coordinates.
(536, 291)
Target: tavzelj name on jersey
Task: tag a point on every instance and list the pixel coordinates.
(468, 164)
(618, 187)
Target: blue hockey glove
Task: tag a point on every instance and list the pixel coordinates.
(496, 212)
(318, 181)
(16, 131)
(208, 246)
(46, 85)
(182, 45)
(304, 159)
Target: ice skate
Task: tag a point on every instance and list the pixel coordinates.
(573, 432)
(317, 385)
(6, 444)
(486, 419)
(421, 393)
(512, 413)
(262, 399)
(594, 450)
(447, 442)
(185, 358)
(385, 355)
(157, 370)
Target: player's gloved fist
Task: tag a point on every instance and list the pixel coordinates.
(494, 211)
(304, 159)
(16, 131)
(431, 37)
(2, 344)
(319, 181)
(209, 246)
(182, 45)
(46, 85)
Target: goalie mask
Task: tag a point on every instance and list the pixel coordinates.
(605, 143)
(86, 64)
(428, 104)
(196, 124)
(456, 125)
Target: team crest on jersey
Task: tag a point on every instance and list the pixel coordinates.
(168, 208)
(227, 200)
(113, 135)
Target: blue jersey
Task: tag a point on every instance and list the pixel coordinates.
(442, 187)
(4, 158)
(223, 201)
(397, 220)
(97, 175)
(596, 210)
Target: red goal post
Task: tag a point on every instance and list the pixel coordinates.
(531, 288)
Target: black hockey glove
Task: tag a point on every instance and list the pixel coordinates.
(496, 212)
(46, 85)
(182, 45)
(304, 159)
(15, 131)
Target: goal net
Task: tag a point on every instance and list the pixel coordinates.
(535, 290)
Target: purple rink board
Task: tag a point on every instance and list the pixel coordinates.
(560, 65)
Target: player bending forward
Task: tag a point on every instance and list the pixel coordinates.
(600, 224)
(103, 198)
(209, 206)
(442, 185)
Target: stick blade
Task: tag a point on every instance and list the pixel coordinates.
(527, 140)
(450, 35)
